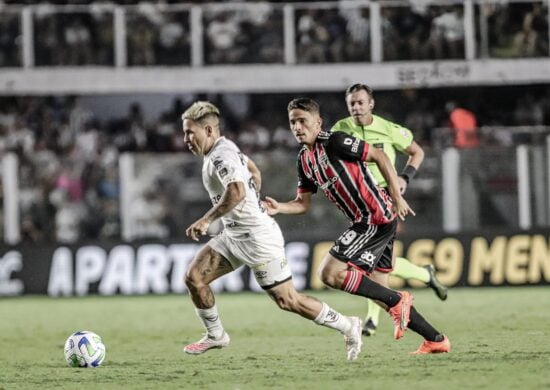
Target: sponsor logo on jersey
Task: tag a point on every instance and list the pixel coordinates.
(328, 183)
(368, 258)
(355, 145)
(222, 171)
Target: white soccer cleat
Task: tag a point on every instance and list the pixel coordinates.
(206, 343)
(353, 338)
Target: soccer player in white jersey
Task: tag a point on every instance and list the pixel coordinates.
(249, 237)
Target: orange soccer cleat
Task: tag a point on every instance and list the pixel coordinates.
(426, 347)
(401, 314)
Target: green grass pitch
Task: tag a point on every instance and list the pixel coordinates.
(500, 339)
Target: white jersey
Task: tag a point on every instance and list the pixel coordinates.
(226, 164)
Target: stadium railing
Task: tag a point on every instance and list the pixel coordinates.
(99, 38)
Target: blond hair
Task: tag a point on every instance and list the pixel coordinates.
(200, 110)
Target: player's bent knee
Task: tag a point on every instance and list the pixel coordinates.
(193, 279)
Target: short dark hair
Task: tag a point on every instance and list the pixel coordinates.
(359, 87)
(304, 103)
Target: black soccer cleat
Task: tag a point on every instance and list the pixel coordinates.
(439, 289)
(369, 329)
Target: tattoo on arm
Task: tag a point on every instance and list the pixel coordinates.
(231, 197)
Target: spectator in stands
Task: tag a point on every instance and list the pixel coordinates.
(78, 39)
(411, 30)
(528, 42)
(447, 35)
(270, 42)
(49, 50)
(313, 37)
(529, 112)
(222, 35)
(141, 42)
(337, 37)
(174, 40)
(357, 44)
(10, 45)
(103, 34)
(463, 122)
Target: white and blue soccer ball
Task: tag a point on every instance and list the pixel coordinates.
(84, 349)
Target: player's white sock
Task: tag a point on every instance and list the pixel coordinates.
(332, 319)
(211, 321)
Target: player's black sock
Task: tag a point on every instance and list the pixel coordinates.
(358, 284)
(423, 327)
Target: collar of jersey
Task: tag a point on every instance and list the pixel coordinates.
(214, 146)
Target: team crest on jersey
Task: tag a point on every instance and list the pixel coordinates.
(404, 133)
(323, 135)
(323, 160)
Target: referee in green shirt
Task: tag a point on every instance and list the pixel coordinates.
(391, 138)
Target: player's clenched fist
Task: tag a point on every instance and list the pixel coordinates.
(197, 229)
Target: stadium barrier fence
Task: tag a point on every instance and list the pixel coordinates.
(110, 268)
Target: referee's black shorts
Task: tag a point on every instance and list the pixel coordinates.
(367, 247)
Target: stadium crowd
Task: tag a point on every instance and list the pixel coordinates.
(157, 35)
(69, 155)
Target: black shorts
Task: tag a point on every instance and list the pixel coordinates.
(367, 247)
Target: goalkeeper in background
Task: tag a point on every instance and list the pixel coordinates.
(389, 137)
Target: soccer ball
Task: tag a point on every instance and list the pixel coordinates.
(84, 349)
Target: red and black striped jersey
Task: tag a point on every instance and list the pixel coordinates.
(335, 165)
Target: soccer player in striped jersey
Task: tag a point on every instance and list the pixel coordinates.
(250, 237)
(391, 138)
(361, 257)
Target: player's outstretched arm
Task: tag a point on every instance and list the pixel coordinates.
(300, 205)
(400, 205)
(232, 196)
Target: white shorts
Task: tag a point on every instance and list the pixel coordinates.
(263, 253)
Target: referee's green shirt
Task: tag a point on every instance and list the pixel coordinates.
(381, 134)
